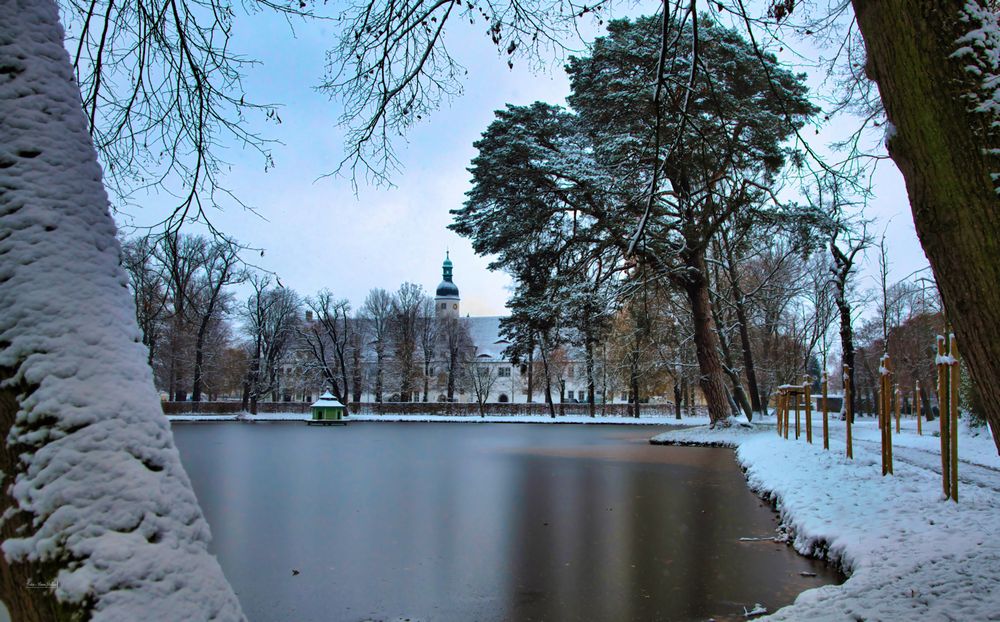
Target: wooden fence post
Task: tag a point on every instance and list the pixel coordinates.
(848, 411)
(826, 424)
(944, 415)
(899, 398)
(807, 397)
(798, 417)
(955, 382)
(785, 428)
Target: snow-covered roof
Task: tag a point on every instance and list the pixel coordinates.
(485, 334)
(327, 401)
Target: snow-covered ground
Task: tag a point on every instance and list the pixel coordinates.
(686, 421)
(909, 553)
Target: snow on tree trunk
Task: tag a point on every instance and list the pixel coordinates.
(937, 65)
(94, 497)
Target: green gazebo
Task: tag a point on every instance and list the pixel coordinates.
(328, 411)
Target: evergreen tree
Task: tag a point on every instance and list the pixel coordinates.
(575, 184)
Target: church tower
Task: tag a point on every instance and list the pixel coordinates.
(446, 299)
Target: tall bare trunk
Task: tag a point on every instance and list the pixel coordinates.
(591, 407)
(847, 346)
(531, 376)
(748, 361)
(677, 398)
(948, 153)
(711, 380)
(379, 363)
(548, 381)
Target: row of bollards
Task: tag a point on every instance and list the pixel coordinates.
(790, 397)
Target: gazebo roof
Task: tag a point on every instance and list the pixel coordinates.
(327, 401)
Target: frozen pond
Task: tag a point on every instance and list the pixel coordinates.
(464, 522)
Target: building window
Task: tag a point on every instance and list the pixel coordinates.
(444, 305)
(502, 398)
(581, 395)
(524, 369)
(503, 372)
(569, 370)
(454, 306)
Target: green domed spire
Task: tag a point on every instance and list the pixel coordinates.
(446, 266)
(447, 288)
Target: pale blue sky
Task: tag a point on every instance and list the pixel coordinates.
(318, 234)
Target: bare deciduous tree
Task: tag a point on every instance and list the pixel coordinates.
(271, 318)
(328, 338)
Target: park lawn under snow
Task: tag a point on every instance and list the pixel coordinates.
(909, 553)
(583, 419)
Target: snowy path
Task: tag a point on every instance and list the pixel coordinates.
(910, 553)
(968, 473)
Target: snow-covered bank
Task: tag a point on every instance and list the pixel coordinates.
(671, 421)
(910, 554)
(242, 417)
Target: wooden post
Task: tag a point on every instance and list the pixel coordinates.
(848, 411)
(785, 428)
(955, 382)
(944, 416)
(826, 424)
(916, 404)
(807, 391)
(798, 421)
(899, 398)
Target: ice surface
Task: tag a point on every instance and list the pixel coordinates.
(911, 554)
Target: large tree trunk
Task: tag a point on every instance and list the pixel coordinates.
(677, 398)
(712, 379)
(847, 347)
(199, 361)
(356, 374)
(634, 391)
(427, 371)
(748, 363)
(739, 302)
(948, 153)
(94, 494)
(531, 375)
(738, 397)
(925, 404)
(548, 381)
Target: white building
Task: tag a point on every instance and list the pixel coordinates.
(509, 381)
(481, 360)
